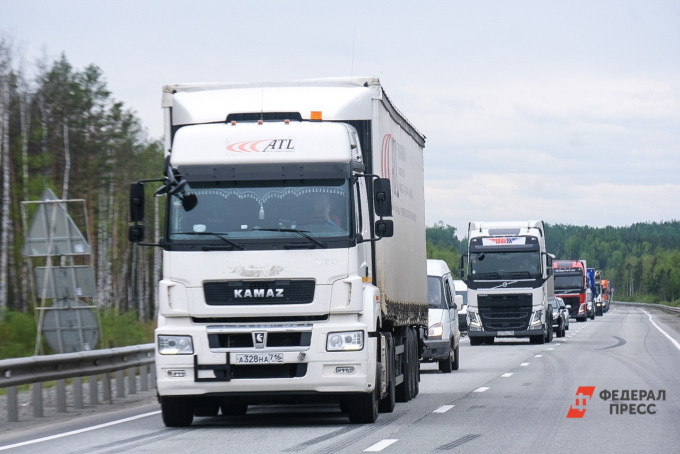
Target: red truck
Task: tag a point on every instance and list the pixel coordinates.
(570, 285)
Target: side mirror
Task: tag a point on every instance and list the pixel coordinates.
(384, 228)
(136, 202)
(458, 300)
(136, 233)
(382, 196)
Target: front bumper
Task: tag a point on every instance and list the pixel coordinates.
(436, 350)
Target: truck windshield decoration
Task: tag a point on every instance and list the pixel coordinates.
(228, 212)
(505, 265)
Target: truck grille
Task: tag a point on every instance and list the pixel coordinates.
(272, 339)
(574, 302)
(227, 293)
(508, 312)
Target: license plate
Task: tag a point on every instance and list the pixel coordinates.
(258, 358)
(506, 333)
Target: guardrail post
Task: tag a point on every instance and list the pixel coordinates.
(78, 392)
(132, 380)
(37, 400)
(153, 375)
(12, 404)
(144, 377)
(106, 388)
(61, 396)
(120, 383)
(92, 381)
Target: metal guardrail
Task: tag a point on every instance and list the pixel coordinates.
(673, 309)
(36, 370)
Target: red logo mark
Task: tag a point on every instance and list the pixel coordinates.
(583, 394)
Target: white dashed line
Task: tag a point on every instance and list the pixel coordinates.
(444, 408)
(379, 446)
(506, 375)
(524, 364)
(481, 389)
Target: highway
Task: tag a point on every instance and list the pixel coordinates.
(510, 397)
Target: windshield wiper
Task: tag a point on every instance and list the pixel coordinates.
(221, 236)
(302, 233)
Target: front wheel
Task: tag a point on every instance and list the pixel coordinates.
(363, 408)
(177, 411)
(446, 365)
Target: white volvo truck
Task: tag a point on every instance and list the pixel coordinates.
(510, 281)
(282, 279)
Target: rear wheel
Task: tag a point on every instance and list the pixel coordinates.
(456, 358)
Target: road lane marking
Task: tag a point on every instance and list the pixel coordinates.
(550, 349)
(677, 345)
(538, 356)
(79, 431)
(506, 375)
(481, 389)
(524, 364)
(379, 446)
(444, 408)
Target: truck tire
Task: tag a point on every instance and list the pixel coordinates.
(537, 339)
(363, 408)
(177, 411)
(549, 333)
(387, 403)
(404, 389)
(476, 341)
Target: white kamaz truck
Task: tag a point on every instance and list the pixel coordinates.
(509, 276)
(282, 279)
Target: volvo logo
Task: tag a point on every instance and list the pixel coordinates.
(259, 293)
(260, 339)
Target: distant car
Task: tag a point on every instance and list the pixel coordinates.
(557, 319)
(443, 335)
(461, 289)
(564, 313)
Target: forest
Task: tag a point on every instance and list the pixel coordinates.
(62, 129)
(642, 261)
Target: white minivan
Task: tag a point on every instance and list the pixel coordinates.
(443, 334)
(461, 289)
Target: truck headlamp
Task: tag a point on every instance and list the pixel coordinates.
(345, 341)
(473, 320)
(536, 319)
(175, 345)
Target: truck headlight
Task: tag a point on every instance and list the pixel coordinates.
(175, 345)
(536, 319)
(473, 320)
(436, 331)
(345, 341)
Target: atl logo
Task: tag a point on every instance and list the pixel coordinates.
(583, 394)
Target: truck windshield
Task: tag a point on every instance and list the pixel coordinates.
(505, 265)
(302, 209)
(569, 281)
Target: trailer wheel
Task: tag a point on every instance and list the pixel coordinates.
(415, 363)
(177, 411)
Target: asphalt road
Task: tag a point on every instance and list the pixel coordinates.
(511, 397)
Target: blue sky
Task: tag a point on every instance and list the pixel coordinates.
(566, 111)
